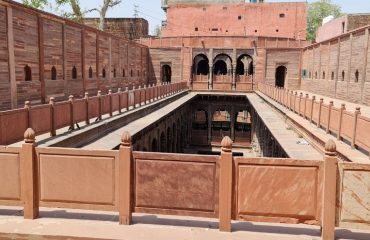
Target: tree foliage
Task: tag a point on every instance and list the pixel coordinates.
(317, 11)
(103, 11)
(76, 14)
(157, 31)
(39, 4)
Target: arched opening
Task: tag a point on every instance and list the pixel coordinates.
(138, 73)
(169, 140)
(357, 75)
(53, 73)
(323, 75)
(244, 65)
(90, 72)
(74, 72)
(154, 145)
(114, 73)
(123, 73)
(280, 76)
(200, 120)
(343, 75)
(131, 73)
(166, 73)
(163, 143)
(221, 125)
(243, 126)
(201, 65)
(220, 68)
(27, 73)
(332, 75)
(103, 74)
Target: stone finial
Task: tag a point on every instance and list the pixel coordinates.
(27, 104)
(29, 136)
(51, 100)
(70, 98)
(119, 90)
(110, 91)
(358, 109)
(126, 139)
(226, 144)
(126, 89)
(99, 93)
(343, 106)
(321, 100)
(86, 95)
(330, 148)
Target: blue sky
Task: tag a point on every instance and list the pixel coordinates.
(151, 9)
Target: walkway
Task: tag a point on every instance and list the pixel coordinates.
(112, 139)
(287, 138)
(342, 148)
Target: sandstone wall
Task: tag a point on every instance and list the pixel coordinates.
(339, 67)
(76, 54)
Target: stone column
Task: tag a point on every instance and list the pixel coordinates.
(125, 162)
(29, 176)
(329, 192)
(225, 187)
(210, 60)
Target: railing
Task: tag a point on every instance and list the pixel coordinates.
(222, 187)
(56, 115)
(223, 83)
(349, 127)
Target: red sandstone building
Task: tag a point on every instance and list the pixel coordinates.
(238, 83)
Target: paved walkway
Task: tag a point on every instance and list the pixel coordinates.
(343, 148)
(112, 139)
(283, 134)
(68, 224)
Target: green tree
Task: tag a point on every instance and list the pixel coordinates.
(76, 15)
(157, 31)
(317, 11)
(39, 4)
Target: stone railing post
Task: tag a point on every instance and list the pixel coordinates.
(342, 109)
(312, 104)
(29, 176)
(300, 100)
(125, 178)
(357, 113)
(99, 105)
(331, 105)
(119, 100)
(225, 188)
(140, 93)
(71, 112)
(305, 106)
(27, 105)
(87, 119)
(145, 94)
(52, 117)
(134, 93)
(329, 192)
(320, 107)
(128, 98)
(110, 103)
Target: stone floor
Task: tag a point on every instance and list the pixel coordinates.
(67, 224)
(342, 147)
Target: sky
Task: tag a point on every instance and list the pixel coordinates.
(151, 9)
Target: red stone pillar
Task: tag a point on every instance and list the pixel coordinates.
(29, 175)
